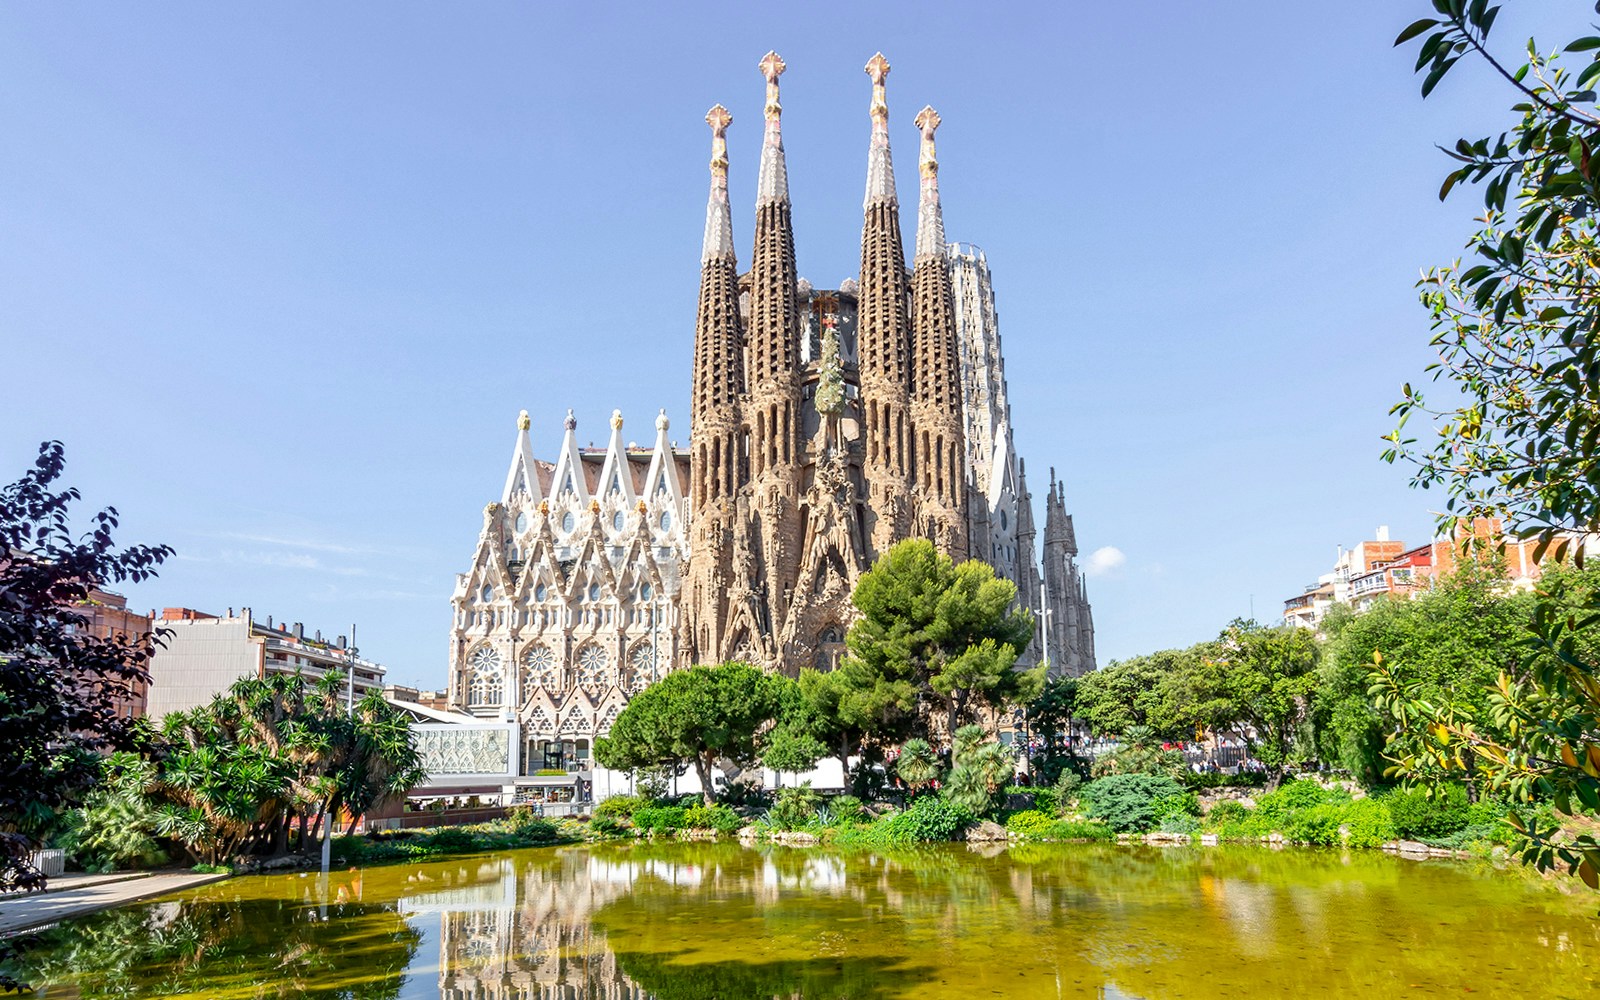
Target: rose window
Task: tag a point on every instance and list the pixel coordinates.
(487, 680)
(643, 667)
(540, 669)
(593, 666)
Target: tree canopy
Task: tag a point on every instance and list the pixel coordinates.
(933, 636)
(1515, 327)
(60, 685)
(692, 718)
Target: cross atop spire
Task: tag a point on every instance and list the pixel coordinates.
(880, 168)
(772, 183)
(772, 67)
(930, 216)
(719, 120)
(719, 219)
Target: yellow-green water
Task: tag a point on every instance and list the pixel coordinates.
(724, 921)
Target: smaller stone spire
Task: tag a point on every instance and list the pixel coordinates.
(772, 182)
(880, 167)
(719, 217)
(930, 216)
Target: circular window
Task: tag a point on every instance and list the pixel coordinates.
(486, 594)
(645, 591)
(593, 665)
(484, 687)
(541, 670)
(540, 592)
(594, 591)
(522, 523)
(618, 520)
(568, 522)
(666, 520)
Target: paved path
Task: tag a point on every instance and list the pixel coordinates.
(20, 913)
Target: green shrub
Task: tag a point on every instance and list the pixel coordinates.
(1419, 817)
(1030, 822)
(794, 807)
(1079, 829)
(1227, 811)
(929, 818)
(609, 826)
(1129, 802)
(718, 817)
(1274, 809)
(1045, 798)
(1318, 824)
(1217, 779)
(847, 809)
(1367, 823)
(620, 807)
(451, 839)
(660, 819)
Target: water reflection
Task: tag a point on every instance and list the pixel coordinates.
(679, 921)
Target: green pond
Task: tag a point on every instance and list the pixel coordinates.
(719, 920)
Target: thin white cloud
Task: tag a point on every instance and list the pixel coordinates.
(1104, 560)
(289, 543)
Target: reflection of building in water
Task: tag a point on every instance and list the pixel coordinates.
(524, 934)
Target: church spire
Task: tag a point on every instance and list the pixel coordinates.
(930, 217)
(880, 166)
(884, 335)
(773, 181)
(719, 217)
(718, 357)
(774, 319)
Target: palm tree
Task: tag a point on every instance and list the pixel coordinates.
(917, 765)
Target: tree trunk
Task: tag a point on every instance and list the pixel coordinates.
(702, 768)
(305, 818)
(280, 846)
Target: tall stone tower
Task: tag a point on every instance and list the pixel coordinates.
(830, 424)
(883, 329)
(1069, 624)
(938, 453)
(717, 440)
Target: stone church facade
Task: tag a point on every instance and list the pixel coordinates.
(826, 425)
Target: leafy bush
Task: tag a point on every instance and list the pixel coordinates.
(847, 809)
(1418, 817)
(660, 819)
(1368, 823)
(1274, 809)
(1129, 802)
(1030, 822)
(1046, 799)
(794, 807)
(1227, 811)
(718, 817)
(1035, 824)
(929, 818)
(620, 807)
(451, 839)
(1079, 829)
(1318, 824)
(609, 826)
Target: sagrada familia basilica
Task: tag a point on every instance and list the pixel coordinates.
(827, 424)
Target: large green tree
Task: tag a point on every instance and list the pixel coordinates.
(1450, 642)
(60, 685)
(1515, 326)
(933, 637)
(693, 718)
(1263, 678)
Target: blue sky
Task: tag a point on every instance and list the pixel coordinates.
(281, 277)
